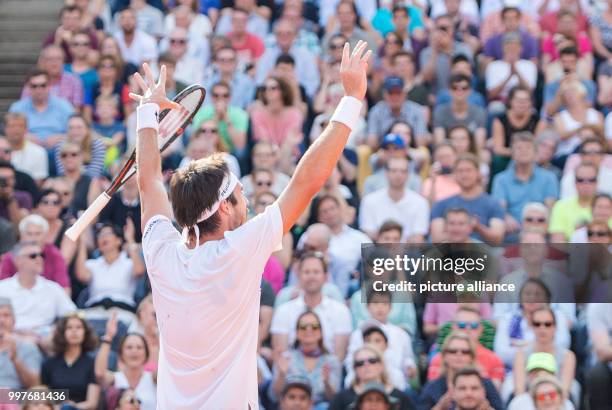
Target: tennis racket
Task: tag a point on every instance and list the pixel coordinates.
(172, 124)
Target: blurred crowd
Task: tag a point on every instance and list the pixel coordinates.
(487, 121)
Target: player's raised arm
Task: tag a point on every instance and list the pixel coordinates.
(153, 196)
(319, 160)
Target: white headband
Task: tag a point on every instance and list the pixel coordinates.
(225, 190)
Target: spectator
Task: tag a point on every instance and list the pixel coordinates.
(437, 314)
(34, 228)
(374, 394)
(109, 85)
(47, 115)
(570, 212)
(248, 45)
(515, 331)
(23, 180)
(493, 24)
(395, 107)
(70, 24)
(110, 47)
(49, 206)
(81, 50)
(546, 393)
(296, 395)
(14, 204)
(403, 65)
(334, 316)
(512, 21)
(459, 226)
(83, 187)
(37, 301)
(546, 143)
(468, 320)
(347, 25)
(383, 64)
(21, 365)
(146, 325)
(459, 112)
(187, 15)
(135, 45)
(275, 116)
(523, 182)
(25, 155)
(72, 367)
(308, 358)
(127, 400)
(188, 69)
(206, 142)
(464, 142)
(92, 149)
(602, 214)
(435, 60)
(111, 131)
(544, 327)
(112, 276)
(599, 322)
(369, 367)
(407, 22)
(489, 226)
(469, 390)
(149, 19)
(133, 354)
(510, 71)
(124, 205)
(256, 22)
(441, 185)
(265, 154)
(173, 87)
(460, 64)
(225, 70)
(231, 122)
(397, 203)
(307, 72)
(458, 352)
(465, 26)
(592, 150)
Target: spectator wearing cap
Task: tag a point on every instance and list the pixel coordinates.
(395, 107)
(435, 60)
(599, 378)
(523, 182)
(458, 352)
(369, 367)
(569, 213)
(46, 113)
(14, 204)
(308, 358)
(459, 112)
(20, 366)
(592, 150)
(36, 301)
(396, 344)
(374, 395)
(296, 394)
(397, 203)
(34, 228)
(511, 20)
(25, 155)
(469, 390)
(306, 70)
(189, 70)
(334, 316)
(135, 45)
(112, 276)
(489, 226)
(468, 320)
(393, 145)
(511, 70)
(440, 184)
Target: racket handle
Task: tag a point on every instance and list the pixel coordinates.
(88, 216)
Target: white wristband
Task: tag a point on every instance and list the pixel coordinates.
(348, 112)
(146, 116)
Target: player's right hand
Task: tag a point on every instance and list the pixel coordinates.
(353, 70)
(153, 92)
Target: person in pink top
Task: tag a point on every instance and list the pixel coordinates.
(441, 184)
(248, 45)
(34, 228)
(274, 117)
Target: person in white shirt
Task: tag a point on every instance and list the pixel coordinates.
(397, 203)
(591, 150)
(37, 302)
(189, 70)
(135, 45)
(206, 283)
(335, 316)
(26, 156)
(149, 19)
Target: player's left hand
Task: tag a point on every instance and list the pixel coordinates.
(153, 92)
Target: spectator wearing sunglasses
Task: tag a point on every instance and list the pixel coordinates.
(127, 400)
(592, 150)
(469, 321)
(189, 70)
(37, 301)
(308, 358)
(602, 215)
(81, 50)
(369, 367)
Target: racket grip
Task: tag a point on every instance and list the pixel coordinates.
(88, 216)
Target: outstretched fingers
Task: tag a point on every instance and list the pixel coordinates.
(345, 56)
(141, 82)
(149, 75)
(162, 77)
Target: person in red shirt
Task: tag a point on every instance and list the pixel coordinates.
(248, 45)
(467, 320)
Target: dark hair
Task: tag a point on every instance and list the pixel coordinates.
(473, 149)
(593, 140)
(399, 38)
(44, 193)
(402, 53)
(458, 78)
(69, 9)
(390, 225)
(537, 282)
(124, 339)
(313, 255)
(223, 49)
(465, 372)
(372, 293)
(285, 58)
(286, 92)
(507, 9)
(240, 10)
(195, 188)
(374, 329)
(517, 89)
(564, 13)
(59, 343)
(457, 210)
(571, 50)
(545, 309)
(296, 344)
(324, 198)
(6, 164)
(400, 7)
(167, 58)
(460, 58)
(222, 84)
(587, 164)
(35, 73)
(600, 196)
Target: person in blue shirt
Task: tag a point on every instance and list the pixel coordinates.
(523, 182)
(47, 115)
(487, 211)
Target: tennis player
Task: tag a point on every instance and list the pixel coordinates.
(206, 282)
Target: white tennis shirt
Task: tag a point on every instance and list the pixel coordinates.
(207, 307)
